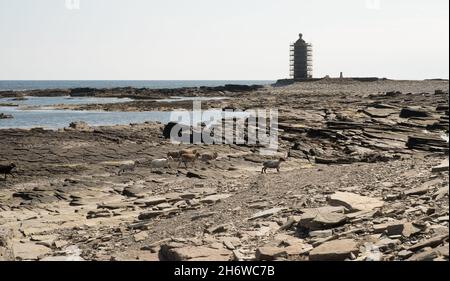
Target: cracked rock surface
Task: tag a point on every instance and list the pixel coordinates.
(366, 179)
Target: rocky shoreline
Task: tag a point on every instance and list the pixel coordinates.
(366, 179)
(130, 92)
(143, 99)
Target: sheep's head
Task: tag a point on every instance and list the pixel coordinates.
(170, 158)
(12, 165)
(282, 160)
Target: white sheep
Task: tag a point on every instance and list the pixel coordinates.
(161, 163)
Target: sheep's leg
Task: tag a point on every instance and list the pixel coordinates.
(278, 170)
(262, 171)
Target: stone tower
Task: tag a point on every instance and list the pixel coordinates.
(301, 59)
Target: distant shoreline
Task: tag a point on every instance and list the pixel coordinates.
(136, 93)
(34, 85)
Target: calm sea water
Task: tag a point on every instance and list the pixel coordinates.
(67, 100)
(49, 118)
(20, 85)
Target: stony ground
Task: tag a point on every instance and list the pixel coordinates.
(366, 179)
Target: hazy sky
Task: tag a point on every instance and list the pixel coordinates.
(226, 39)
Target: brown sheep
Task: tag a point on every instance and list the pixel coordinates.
(174, 154)
(188, 151)
(209, 156)
(177, 154)
(185, 158)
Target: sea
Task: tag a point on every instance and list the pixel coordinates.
(43, 114)
(23, 85)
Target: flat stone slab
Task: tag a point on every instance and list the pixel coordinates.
(321, 233)
(154, 200)
(141, 236)
(441, 193)
(150, 215)
(441, 168)
(193, 253)
(114, 206)
(406, 229)
(355, 202)
(136, 255)
(322, 221)
(416, 191)
(432, 242)
(313, 212)
(214, 198)
(382, 227)
(202, 215)
(337, 250)
(329, 220)
(266, 213)
(30, 251)
(269, 253)
(379, 112)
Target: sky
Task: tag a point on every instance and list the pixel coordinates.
(220, 40)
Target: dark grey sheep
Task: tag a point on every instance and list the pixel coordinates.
(7, 169)
(272, 164)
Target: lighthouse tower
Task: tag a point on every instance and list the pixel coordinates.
(301, 59)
